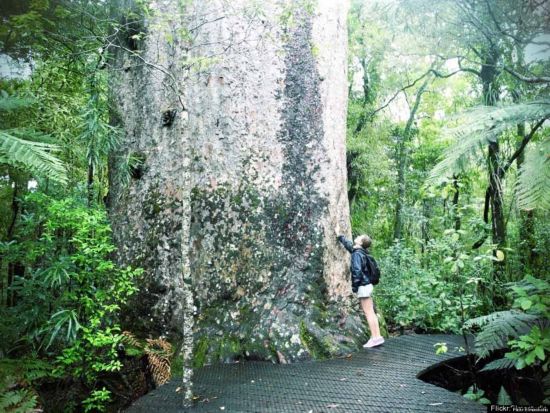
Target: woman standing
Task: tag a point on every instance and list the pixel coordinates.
(362, 285)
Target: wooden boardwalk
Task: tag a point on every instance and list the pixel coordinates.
(375, 380)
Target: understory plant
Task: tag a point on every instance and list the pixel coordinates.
(434, 292)
(67, 296)
(521, 334)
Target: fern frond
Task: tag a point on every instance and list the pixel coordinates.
(160, 368)
(9, 103)
(159, 346)
(130, 339)
(498, 328)
(159, 352)
(478, 127)
(18, 401)
(28, 152)
(499, 364)
(533, 186)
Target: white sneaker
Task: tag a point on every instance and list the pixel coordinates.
(373, 342)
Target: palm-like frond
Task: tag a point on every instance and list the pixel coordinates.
(533, 187)
(478, 127)
(8, 102)
(499, 364)
(498, 328)
(28, 149)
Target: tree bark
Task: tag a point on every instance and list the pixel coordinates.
(244, 190)
(488, 75)
(90, 184)
(456, 197)
(353, 175)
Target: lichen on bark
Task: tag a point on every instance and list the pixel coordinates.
(235, 211)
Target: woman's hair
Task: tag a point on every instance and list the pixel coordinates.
(363, 241)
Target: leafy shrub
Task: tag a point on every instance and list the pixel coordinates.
(434, 292)
(68, 300)
(524, 329)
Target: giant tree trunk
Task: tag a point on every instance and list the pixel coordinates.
(240, 117)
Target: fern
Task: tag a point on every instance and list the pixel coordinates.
(130, 339)
(28, 149)
(18, 401)
(9, 103)
(503, 397)
(497, 328)
(533, 187)
(159, 352)
(499, 364)
(478, 127)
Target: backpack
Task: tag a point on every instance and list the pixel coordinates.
(372, 270)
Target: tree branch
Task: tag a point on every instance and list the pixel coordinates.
(468, 69)
(385, 105)
(488, 195)
(522, 145)
(502, 172)
(539, 79)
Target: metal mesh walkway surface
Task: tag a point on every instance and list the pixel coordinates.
(381, 379)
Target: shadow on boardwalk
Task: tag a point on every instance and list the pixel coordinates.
(376, 380)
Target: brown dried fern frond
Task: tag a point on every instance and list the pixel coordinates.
(131, 340)
(160, 368)
(159, 346)
(159, 352)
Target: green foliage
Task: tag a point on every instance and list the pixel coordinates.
(69, 300)
(487, 124)
(476, 395)
(436, 293)
(97, 401)
(524, 330)
(21, 148)
(497, 328)
(503, 397)
(533, 187)
(531, 348)
(480, 126)
(26, 148)
(17, 374)
(18, 401)
(441, 348)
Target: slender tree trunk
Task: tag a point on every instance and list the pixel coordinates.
(402, 163)
(488, 75)
(527, 251)
(426, 214)
(456, 196)
(353, 176)
(10, 299)
(497, 204)
(15, 268)
(90, 184)
(364, 117)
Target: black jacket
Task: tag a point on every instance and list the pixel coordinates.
(358, 262)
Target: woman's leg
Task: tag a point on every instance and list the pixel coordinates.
(368, 308)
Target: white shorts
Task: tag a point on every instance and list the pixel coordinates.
(365, 291)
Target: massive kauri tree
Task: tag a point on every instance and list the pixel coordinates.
(234, 132)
